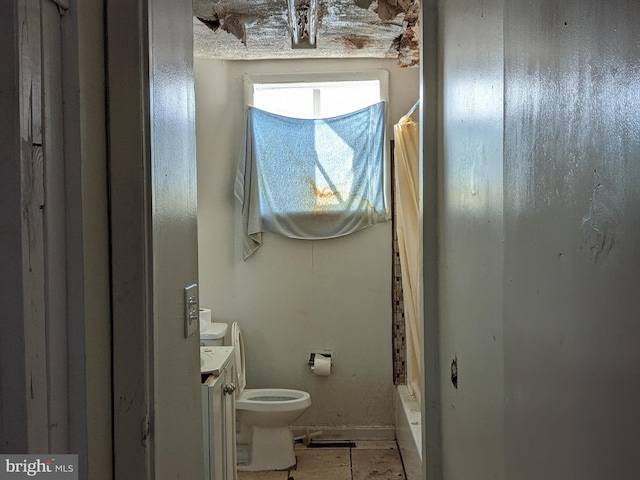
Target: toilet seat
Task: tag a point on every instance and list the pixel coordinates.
(272, 400)
(238, 344)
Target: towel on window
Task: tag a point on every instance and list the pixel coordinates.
(311, 178)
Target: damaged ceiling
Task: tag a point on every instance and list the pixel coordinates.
(258, 29)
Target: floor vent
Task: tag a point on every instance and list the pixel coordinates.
(331, 445)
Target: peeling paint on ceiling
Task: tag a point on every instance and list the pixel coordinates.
(258, 29)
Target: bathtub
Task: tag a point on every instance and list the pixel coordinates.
(409, 432)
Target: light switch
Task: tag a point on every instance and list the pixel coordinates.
(191, 310)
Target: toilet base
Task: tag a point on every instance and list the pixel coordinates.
(270, 449)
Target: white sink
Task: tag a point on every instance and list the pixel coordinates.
(212, 359)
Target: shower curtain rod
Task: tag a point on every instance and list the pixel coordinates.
(413, 109)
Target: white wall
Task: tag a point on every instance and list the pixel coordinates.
(470, 239)
(294, 296)
(539, 239)
(572, 230)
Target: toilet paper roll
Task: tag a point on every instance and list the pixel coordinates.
(321, 365)
(205, 318)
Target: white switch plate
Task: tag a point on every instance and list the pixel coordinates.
(191, 310)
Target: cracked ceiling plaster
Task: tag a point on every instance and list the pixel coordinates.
(258, 29)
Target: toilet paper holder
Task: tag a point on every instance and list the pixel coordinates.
(312, 357)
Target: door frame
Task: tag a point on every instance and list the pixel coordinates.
(54, 291)
(156, 373)
(129, 163)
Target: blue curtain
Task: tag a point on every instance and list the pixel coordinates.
(311, 178)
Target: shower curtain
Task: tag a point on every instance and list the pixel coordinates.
(406, 139)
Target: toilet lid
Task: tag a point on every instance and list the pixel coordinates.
(236, 342)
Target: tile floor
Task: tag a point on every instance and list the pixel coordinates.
(370, 460)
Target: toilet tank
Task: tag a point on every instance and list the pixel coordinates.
(213, 335)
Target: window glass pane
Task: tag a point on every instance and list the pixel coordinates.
(347, 98)
(297, 99)
(291, 102)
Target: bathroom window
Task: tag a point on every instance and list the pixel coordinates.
(317, 99)
(314, 160)
(316, 95)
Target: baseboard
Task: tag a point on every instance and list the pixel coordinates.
(353, 433)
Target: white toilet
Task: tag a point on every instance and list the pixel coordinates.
(264, 440)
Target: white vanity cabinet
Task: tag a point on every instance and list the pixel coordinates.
(218, 414)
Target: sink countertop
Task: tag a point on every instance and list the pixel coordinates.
(213, 359)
